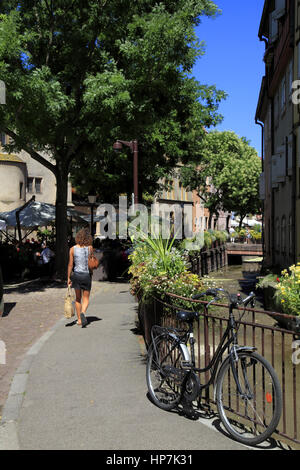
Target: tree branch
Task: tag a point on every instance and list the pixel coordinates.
(36, 156)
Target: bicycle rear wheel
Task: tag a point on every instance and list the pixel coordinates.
(252, 416)
(164, 373)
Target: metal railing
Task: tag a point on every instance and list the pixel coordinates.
(277, 344)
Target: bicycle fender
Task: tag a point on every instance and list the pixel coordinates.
(185, 352)
(238, 349)
(246, 348)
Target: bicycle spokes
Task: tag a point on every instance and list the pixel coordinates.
(249, 397)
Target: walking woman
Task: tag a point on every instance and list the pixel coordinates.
(81, 278)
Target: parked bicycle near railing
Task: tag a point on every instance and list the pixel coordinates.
(247, 390)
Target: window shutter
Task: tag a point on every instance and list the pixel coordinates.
(273, 27)
(280, 9)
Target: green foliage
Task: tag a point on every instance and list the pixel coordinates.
(221, 235)
(208, 241)
(288, 290)
(158, 268)
(255, 235)
(80, 75)
(45, 234)
(268, 280)
(226, 175)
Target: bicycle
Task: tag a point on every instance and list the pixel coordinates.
(246, 388)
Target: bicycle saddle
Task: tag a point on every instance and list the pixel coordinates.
(186, 316)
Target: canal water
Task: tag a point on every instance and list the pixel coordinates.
(276, 345)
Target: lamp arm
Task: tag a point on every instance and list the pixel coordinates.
(127, 144)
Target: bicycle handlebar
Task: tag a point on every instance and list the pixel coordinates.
(234, 299)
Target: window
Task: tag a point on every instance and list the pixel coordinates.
(30, 185)
(3, 138)
(273, 27)
(34, 185)
(279, 8)
(38, 185)
(21, 189)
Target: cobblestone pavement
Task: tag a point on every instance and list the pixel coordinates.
(31, 309)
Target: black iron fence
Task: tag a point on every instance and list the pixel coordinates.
(209, 260)
(257, 328)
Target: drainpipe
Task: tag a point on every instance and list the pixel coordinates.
(294, 197)
(262, 142)
(262, 168)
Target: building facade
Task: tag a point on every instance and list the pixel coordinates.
(277, 116)
(21, 177)
(196, 216)
(296, 110)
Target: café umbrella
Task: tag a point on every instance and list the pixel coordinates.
(34, 214)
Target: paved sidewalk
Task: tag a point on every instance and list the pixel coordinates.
(31, 309)
(85, 389)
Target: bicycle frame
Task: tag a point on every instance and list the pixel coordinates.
(229, 337)
(175, 381)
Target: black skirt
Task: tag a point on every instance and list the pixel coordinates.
(81, 281)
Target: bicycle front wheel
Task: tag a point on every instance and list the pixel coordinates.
(164, 373)
(251, 410)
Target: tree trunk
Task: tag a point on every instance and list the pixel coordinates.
(241, 220)
(61, 249)
(227, 222)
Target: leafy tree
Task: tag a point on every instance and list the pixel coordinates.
(226, 176)
(241, 183)
(80, 75)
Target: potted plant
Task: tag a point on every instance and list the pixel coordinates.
(288, 293)
(268, 285)
(208, 241)
(157, 267)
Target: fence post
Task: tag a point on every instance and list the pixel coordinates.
(206, 350)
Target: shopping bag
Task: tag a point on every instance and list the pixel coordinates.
(69, 306)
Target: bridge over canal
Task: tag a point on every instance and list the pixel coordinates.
(244, 249)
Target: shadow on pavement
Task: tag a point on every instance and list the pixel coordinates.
(90, 319)
(8, 306)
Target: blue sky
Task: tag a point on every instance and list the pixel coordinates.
(233, 61)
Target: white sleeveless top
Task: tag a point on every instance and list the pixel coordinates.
(81, 256)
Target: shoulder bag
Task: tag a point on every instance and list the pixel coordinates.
(93, 262)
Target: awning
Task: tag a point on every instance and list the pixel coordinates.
(36, 214)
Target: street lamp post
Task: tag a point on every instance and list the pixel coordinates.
(92, 200)
(133, 145)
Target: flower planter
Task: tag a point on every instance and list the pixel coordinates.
(273, 305)
(291, 324)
